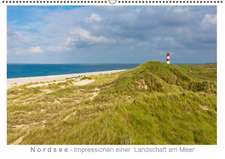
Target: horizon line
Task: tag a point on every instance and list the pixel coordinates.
(103, 63)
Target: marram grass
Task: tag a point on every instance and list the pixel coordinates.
(154, 103)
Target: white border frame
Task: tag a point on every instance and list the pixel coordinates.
(201, 151)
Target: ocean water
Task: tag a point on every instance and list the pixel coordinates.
(32, 70)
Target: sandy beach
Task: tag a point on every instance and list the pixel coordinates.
(24, 80)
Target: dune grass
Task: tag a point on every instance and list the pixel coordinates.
(154, 103)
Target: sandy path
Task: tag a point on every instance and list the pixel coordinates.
(84, 82)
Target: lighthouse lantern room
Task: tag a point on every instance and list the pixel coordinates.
(168, 58)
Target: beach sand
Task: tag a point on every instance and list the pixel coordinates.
(25, 80)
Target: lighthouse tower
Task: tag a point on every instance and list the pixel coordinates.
(168, 58)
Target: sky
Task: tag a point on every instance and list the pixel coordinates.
(126, 34)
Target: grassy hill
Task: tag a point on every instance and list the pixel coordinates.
(154, 103)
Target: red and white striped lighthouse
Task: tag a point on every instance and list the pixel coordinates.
(168, 58)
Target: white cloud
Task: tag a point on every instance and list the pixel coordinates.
(81, 37)
(94, 18)
(179, 10)
(209, 21)
(58, 48)
(36, 49)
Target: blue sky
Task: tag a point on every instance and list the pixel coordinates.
(131, 34)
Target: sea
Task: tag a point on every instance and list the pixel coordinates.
(32, 70)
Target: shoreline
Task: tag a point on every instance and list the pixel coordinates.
(24, 80)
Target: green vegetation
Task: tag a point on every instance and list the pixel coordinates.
(154, 103)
